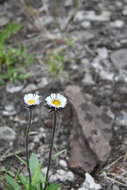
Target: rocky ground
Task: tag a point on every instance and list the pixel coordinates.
(91, 37)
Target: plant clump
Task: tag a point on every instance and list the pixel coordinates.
(13, 60)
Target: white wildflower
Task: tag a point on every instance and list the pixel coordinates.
(32, 99)
(56, 101)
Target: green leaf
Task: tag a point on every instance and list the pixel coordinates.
(9, 30)
(24, 76)
(34, 163)
(20, 159)
(55, 156)
(13, 60)
(10, 173)
(2, 82)
(37, 176)
(12, 182)
(24, 181)
(35, 168)
(53, 187)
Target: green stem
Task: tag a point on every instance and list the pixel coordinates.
(51, 147)
(27, 142)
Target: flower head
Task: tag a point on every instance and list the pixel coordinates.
(32, 99)
(56, 101)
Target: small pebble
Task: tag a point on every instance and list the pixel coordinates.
(68, 3)
(7, 134)
(63, 163)
(125, 11)
(3, 21)
(115, 187)
(13, 88)
(36, 139)
(9, 110)
(86, 24)
(62, 176)
(31, 146)
(30, 87)
(117, 24)
(44, 82)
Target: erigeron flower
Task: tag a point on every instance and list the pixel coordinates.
(32, 99)
(56, 101)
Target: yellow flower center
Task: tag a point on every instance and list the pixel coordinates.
(31, 101)
(56, 102)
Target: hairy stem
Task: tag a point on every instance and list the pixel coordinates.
(51, 147)
(27, 142)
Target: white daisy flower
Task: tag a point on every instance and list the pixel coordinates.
(32, 99)
(56, 100)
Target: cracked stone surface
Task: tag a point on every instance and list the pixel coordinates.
(90, 133)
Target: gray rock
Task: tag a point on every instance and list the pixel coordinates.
(7, 134)
(40, 22)
(9, 110)
(89, 183)
(63, 163)
(92, 16)
(13, 88)
(91, 124)
(115, 187)
(117, 24)
(74, 67)
(124, 11)
(119, 4)
(119, 58)
(68, 3)
(30, 88)
(4, 20)
(83, 35)
(86, 24)
(87, 80)
(102, 67)
(47, 20)
(122, 118)
(121, 76)
(102, 53)
(31, 145)
(43, 82)
(19, 118)
(85, 62)
(79, 16)
(62, 176)
(106, 75)
(36, 139)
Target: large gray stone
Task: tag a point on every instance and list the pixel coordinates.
(90, 132)
(119, 58)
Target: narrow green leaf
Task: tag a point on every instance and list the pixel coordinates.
(9, 30)
(55, 156)
(34, 163)
(10, 173)
(20, 159)
(24, 181)
(12, 182)
(37, 176)
(53, 187)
